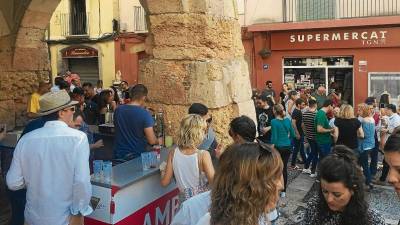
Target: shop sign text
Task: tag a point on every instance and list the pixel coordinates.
(366, 37)
(336, 39)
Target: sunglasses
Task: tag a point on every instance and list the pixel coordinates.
(72, 109)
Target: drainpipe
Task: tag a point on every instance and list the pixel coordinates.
(100, 32)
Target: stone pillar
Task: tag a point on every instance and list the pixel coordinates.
(196, 56)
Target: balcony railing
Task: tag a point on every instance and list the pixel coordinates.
(305, 10)
(76, 24)
(139, 16)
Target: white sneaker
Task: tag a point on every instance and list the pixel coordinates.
(283, 194)
(308, 171)
(313, 175)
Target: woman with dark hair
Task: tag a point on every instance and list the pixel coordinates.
(116, 96)
(392, 158)
(282, 133)
(341, 199)
(384, 100)
(105, 104)
(246, 186)
(335, 94)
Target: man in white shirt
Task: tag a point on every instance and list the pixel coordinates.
(52, 163)
(193, 209)
(393, 121)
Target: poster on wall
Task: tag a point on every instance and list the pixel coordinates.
(381, 83)
(290, 79)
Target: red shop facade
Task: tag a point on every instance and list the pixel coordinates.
(362, 61)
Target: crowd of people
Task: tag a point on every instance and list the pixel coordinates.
(238, 184)
(77, 105)
(338, 146)
(94, 100)
(312, 123)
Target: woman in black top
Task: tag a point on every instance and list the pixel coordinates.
(105, 104)
(347, 128)
(341, 199)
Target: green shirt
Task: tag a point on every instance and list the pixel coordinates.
(320, 99)
(322, 120)
(282, 132)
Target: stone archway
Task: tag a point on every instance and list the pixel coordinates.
(195, 48)
(24, 56)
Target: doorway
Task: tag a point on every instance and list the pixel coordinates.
(86, 68)
(334, 73)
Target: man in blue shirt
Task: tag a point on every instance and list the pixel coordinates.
(133, 125)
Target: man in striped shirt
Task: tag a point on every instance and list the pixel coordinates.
(309, 132)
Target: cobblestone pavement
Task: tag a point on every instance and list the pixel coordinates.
(301, 188)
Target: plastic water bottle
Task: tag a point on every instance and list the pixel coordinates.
(97, 170)
(107, 170)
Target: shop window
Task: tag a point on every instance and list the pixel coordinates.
(334, 73)
(381, 83)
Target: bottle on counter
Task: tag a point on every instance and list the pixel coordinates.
(160, 127)
(107, 171)
(168, 137)
(109, 115)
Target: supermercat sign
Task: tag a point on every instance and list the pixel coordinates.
(355, 38)
(373, 37)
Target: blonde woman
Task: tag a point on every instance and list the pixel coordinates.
(348, 128)
(246, 186)
(191, 167)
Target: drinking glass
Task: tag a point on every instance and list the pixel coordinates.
(145, 156)
(107, 171)
(98, 169)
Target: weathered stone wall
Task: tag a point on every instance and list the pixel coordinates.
(24, 59)
(196, 56)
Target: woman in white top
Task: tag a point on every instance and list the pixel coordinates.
(191, 167)
(246, 186)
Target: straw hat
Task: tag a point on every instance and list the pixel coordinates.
(54, 101)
